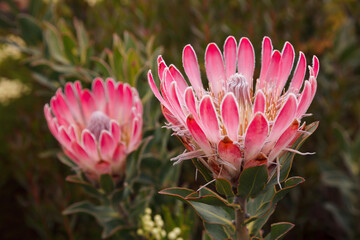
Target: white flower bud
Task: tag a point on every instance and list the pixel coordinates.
(140, 232)
(148, 211)
(172, 235)
(177, 231)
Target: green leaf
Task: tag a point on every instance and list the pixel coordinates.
(252, 181)
(101, 213)
(263, 206)
(102, 67)
(212, 214)
(70, 48)
(224, 187)
(203, 170)
(55, 44)
(107, 183)
(211, 208)
(65, 160)
(30, 30)
(216, 231)
(106, 216)
(278, 230)
(177, 191)
(85, 185)
(82, 40)
(112, 226)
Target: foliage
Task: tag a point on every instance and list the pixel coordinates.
(67, 40)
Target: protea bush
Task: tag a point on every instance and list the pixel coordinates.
(241, 128)
(97, 128)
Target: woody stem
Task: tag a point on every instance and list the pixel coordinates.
(241, 230)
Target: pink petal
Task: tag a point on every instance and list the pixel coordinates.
(102, 167)
(230, 56)
(299, 74)
(246, 60)
(230, 152)
(230, 115)
(127, 104)
(62, 108)
(136, 134)
(198, 134)
(73, 100)
(80, 154)
(78, 88)
(178, 77)
(159, 59)
(155, 90)
(175, 103)
(53, 126)
(169, 116)
(119, 99)
(287, 61)
(305, 100)
(273, 70)
(115, 130)
(89, 144)
(209, 119)
(64, 138)
(99, 94)
(215, 70)
(111, 108)
(260, 102)
(282, 121)
(161, 68)
(266, 52)
(107, 145)
(192, 70)
(259, 160)
(165, 84)
(87, 103)
(316, 65)
(72, 131)
(47, 112)
(119, 153)
(284, 140)
(255, 136)
(191, 102)
(313, 83)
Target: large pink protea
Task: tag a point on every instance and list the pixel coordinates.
(232, 124)
(97, 129)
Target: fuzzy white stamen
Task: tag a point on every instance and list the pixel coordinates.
(98, 122)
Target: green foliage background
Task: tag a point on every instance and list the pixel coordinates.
(33, 190)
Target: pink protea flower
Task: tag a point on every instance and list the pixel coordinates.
(233, 124)
(97, 129)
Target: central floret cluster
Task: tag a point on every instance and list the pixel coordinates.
(237, 122)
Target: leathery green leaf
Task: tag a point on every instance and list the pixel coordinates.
(252, 181)
(278, 230)
(224, 187)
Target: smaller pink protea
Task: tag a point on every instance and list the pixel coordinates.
(238, 122)
(97, 129)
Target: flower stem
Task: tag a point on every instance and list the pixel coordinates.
(241, 230)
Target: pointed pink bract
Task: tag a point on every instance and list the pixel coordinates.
(255, 136)
(215, 70)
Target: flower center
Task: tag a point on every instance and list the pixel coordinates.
(98, 122)
(239, 86)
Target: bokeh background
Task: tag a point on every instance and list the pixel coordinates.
(44, 43)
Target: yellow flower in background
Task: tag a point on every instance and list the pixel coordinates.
(9, 49)
(11, 89)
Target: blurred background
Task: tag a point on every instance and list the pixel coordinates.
(44, 43)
